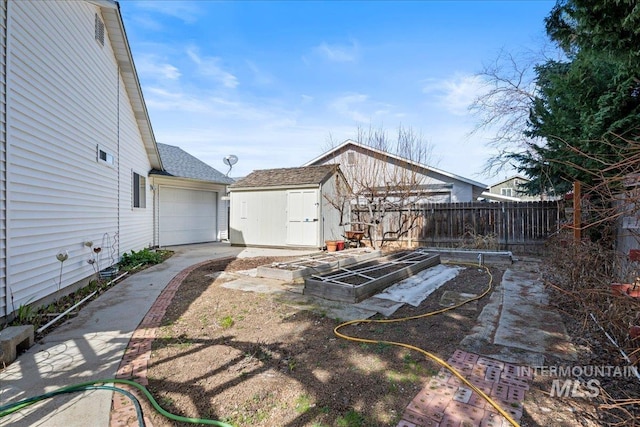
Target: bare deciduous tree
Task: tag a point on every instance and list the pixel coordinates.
(503, 108)
(385, 175)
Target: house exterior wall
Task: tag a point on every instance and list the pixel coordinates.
(136, 224)
(159, 181)
(65, 99)
(356, 164)
(258, 218)
(511, 185)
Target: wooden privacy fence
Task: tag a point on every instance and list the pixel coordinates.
(520, 227)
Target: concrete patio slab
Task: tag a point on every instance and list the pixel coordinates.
(518, 325)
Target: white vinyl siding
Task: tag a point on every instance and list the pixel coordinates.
(136, 225)
(65, 97)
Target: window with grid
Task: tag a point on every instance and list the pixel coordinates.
(139, 191)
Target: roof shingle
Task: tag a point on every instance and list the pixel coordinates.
(286, 177)
(181, 164)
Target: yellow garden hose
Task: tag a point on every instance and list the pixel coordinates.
(431, 356)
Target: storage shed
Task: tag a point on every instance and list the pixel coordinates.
(291, 207)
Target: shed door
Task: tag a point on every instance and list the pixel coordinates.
(186, 216)
(302, 218)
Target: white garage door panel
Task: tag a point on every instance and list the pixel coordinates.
(186, 216)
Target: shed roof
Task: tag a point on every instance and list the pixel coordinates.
(181, 164)
(286, 177)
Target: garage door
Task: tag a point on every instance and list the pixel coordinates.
(186, 216)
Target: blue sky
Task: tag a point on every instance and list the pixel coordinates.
(275, 82)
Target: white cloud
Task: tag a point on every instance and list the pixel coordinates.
(156, 68)
(347, 106)
(186, 11)
(358, 107)
(209, 66)
(260, 77)
(456, 93)
(338, 53)
(166, 100)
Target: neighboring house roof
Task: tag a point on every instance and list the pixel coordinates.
(361, 147)
(512, 177)
(287, 177)
(120, 45)
(181, 164)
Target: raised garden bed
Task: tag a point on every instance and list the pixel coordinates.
(358, 282)
(315, 264)
(478, 256)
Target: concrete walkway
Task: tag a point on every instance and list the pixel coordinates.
(518, 326)
(91, 345)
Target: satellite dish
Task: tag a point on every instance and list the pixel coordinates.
(230, 160)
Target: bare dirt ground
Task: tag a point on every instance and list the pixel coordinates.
(251, 359)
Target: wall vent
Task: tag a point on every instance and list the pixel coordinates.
(99, 30)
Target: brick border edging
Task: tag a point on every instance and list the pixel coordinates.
(135, 361)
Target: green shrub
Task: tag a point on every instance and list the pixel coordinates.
(144, 256)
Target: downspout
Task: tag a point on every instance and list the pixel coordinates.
(4, 176)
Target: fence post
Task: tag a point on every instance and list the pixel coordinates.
(505, 227)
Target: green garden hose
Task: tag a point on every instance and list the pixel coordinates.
(16, 406)
(13, 407)
(429, 355)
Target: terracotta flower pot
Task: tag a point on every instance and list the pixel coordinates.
(620, 288)
(332, 245)
(340, 245)
(634, 291)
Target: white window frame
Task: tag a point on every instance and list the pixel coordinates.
(351, 158)
(508, 192)
(109, 159)
(138, 190)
